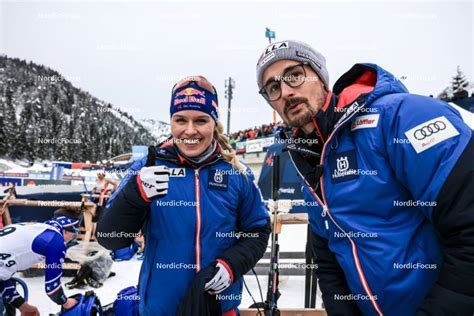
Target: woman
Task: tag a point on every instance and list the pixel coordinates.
(104, 187)
(193, 199)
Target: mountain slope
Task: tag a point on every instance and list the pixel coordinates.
(43, 116)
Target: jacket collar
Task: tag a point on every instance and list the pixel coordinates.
(168, 151)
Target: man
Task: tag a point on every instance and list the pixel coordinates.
(393, 232)
(22, 246)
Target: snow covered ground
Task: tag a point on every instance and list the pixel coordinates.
(293, 238)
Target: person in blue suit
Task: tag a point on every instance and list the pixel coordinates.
(199, 208)
(23, 245)
(391, 174)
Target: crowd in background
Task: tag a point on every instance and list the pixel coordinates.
(265, 130)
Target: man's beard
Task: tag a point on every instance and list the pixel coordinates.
(301, 119)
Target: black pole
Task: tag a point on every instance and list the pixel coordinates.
(229, 98)
(271, 307)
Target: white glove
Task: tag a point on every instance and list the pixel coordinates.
(154, 181)
(219, 282)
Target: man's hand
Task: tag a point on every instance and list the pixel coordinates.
(154, 181)
(219, 282)
(28, 310)
(70, 303)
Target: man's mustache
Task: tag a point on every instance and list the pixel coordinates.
(294, 101)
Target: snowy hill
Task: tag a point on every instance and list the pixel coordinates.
(43, 116)
(160, 130)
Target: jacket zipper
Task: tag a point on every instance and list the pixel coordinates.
(197, 188)
(326, 211)
(198, 219)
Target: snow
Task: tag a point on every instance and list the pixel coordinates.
(467, 116)
(17, 166)
(160, 130)
(127, 275)
(7, 164)
(293, 238)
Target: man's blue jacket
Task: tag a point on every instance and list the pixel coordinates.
(391, 230)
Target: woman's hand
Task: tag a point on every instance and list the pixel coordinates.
(220, 281)
(154, 181)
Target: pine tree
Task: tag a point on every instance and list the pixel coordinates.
(10, 125)
(28, 133)
(3, 137)
(61, 151)
(459, 80)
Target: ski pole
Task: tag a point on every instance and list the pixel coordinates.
(271, 307)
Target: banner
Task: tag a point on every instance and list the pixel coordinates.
(240, 147)
(5, 182)
(254, 146)
(138, 152)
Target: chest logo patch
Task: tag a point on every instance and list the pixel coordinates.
(218, 180)
(343, 166)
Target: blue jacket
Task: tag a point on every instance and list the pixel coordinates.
(188, 229)
(385, 159)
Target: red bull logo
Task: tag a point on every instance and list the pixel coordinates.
(190, 95)
(189, 92)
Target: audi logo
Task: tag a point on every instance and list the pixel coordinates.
(429, 130)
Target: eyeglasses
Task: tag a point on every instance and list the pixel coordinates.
(198, 80)
(293, 76)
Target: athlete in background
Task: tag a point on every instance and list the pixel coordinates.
(23, 245)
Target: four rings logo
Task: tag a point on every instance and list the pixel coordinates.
(430, 133)
(429, 130)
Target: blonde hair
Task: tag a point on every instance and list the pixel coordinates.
(226, 149)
